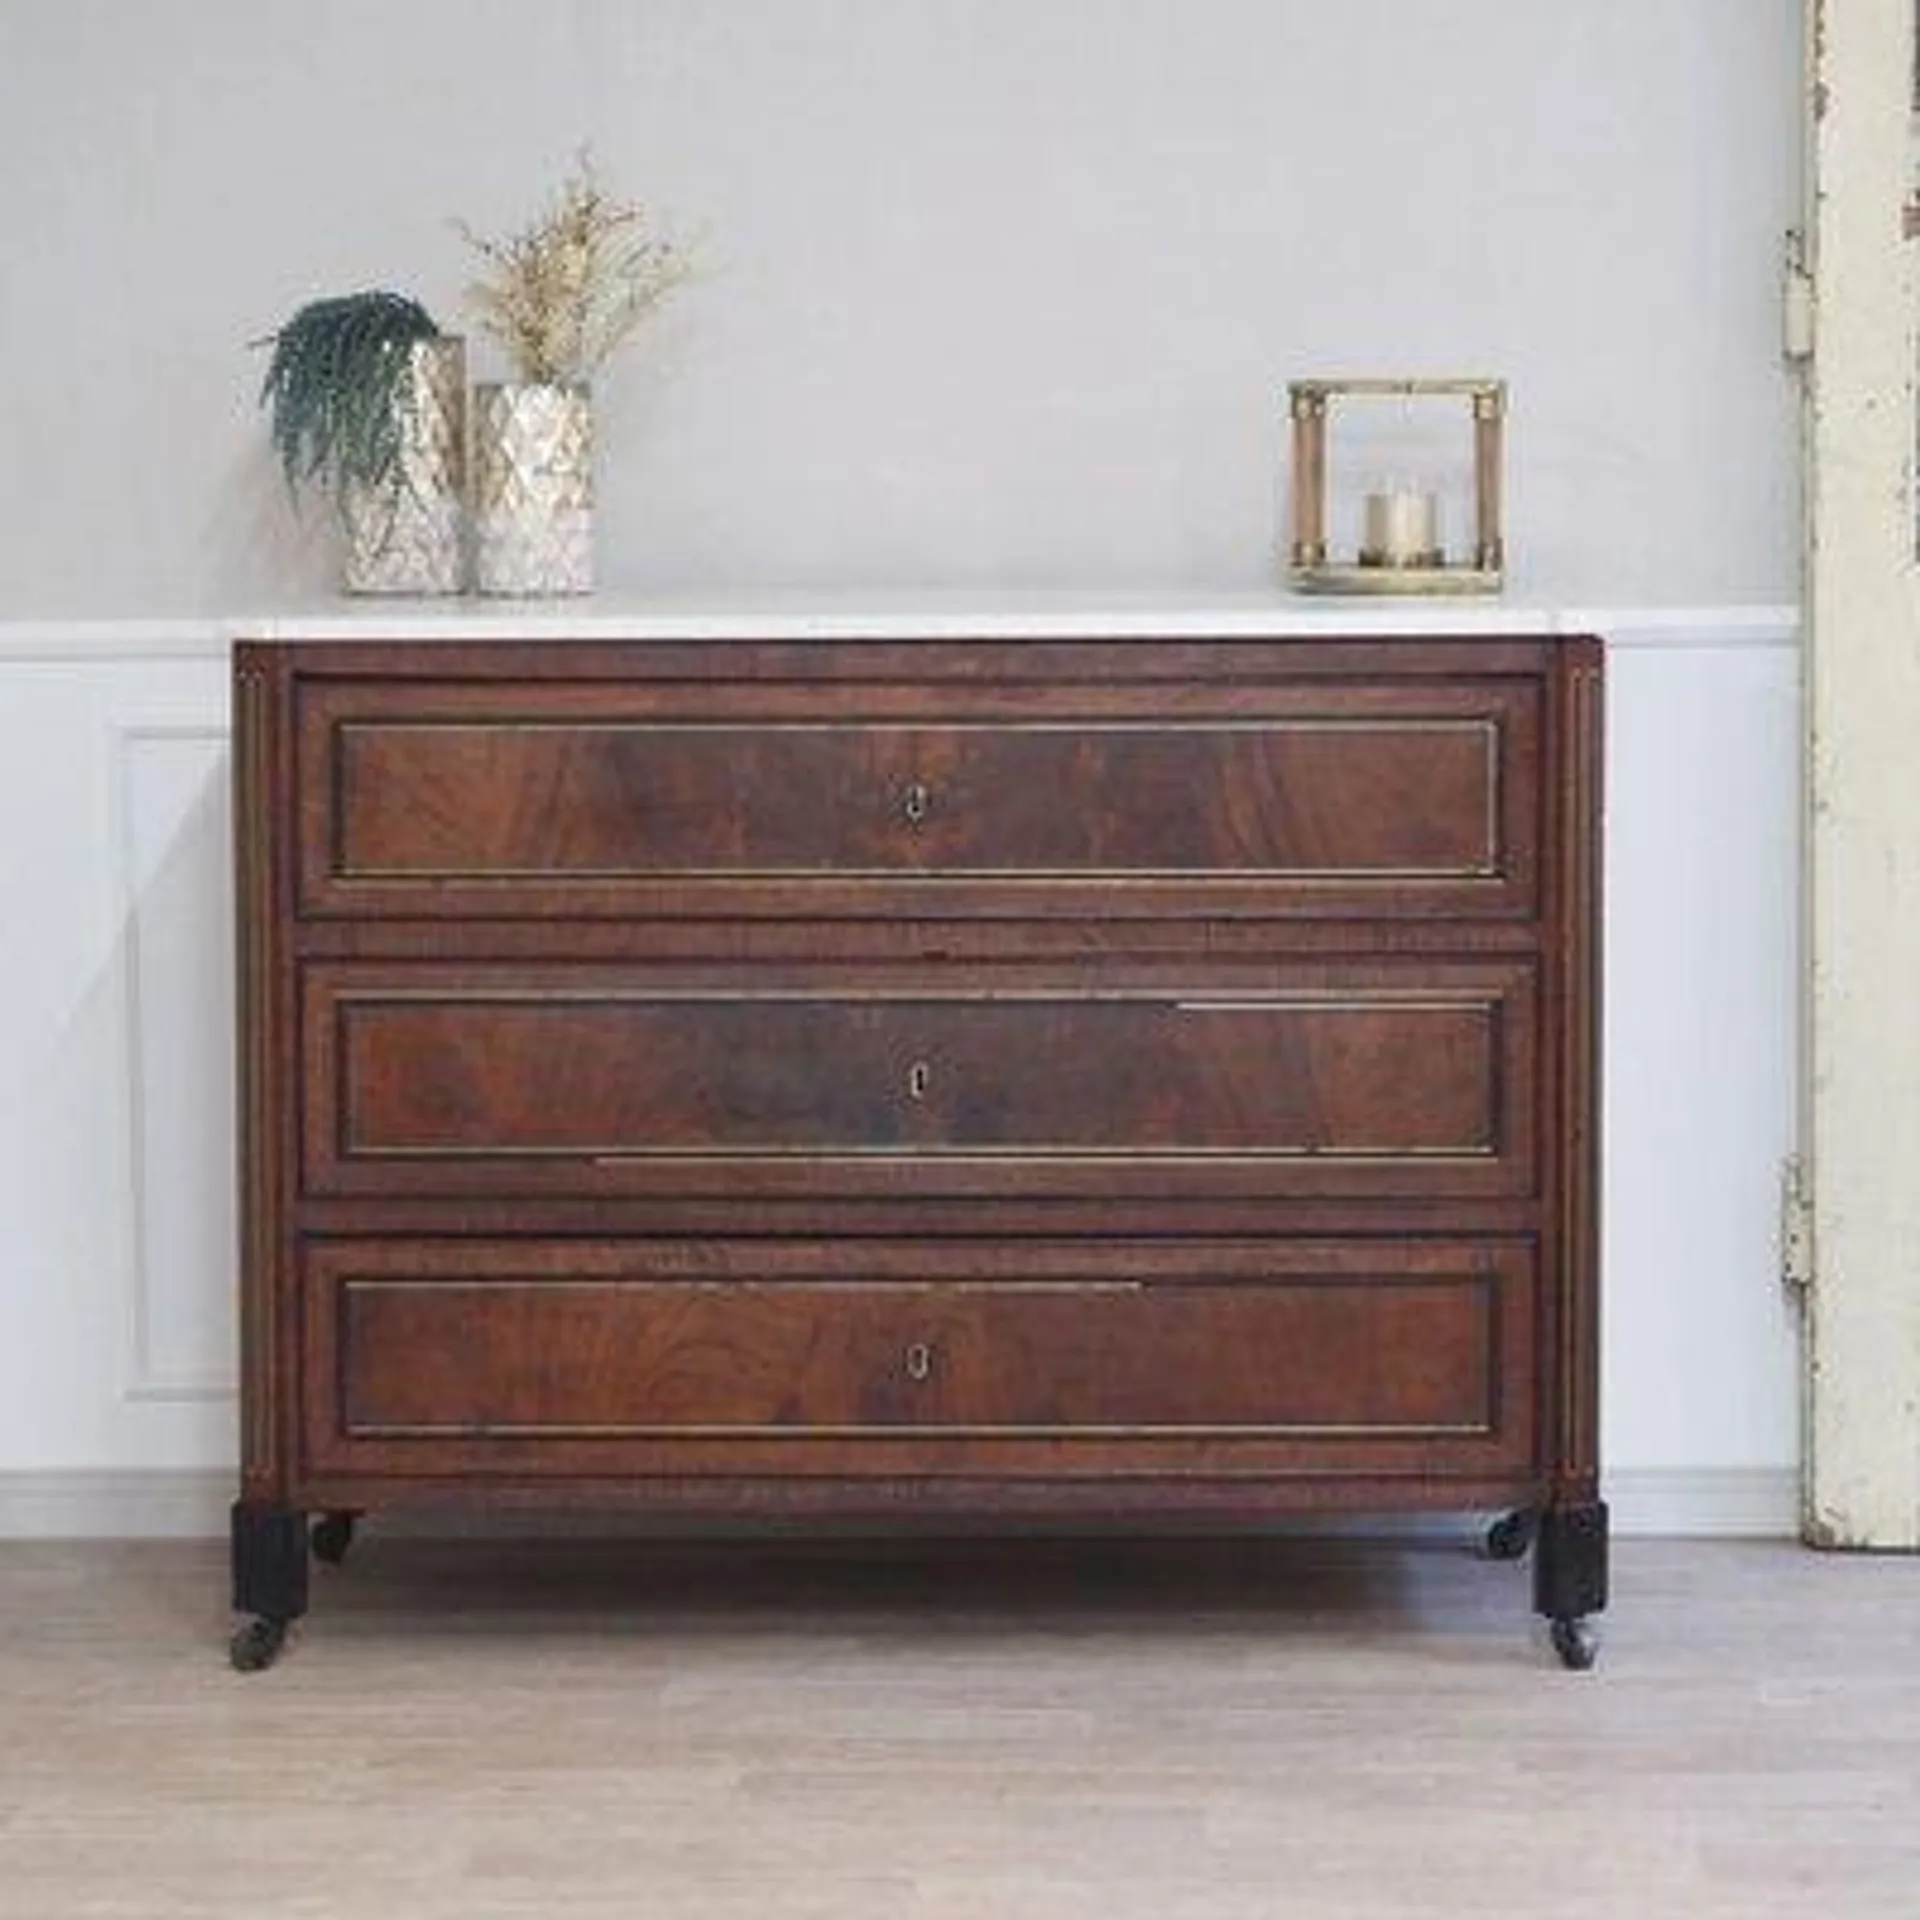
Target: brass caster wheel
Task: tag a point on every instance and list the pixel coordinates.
(331, 1537)
(1510, 1537)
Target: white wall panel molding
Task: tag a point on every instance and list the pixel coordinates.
(114, 1282)
(172, 835)
(108, 643)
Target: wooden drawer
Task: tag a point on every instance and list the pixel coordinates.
(628, 798)
(880, 1357)
(1386, 1077)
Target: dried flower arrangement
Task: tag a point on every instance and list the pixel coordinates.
(561, 295)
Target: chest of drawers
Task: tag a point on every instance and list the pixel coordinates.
(1126, 1080)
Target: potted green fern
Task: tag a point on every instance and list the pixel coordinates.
(366, 404)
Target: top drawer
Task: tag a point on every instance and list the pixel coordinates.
(730, 796)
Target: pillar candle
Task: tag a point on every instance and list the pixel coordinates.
(1402, 527)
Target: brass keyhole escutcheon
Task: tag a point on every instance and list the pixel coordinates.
(919, 1360)
(919, 1079)
(916, 802)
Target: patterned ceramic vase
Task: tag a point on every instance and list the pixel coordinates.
(405, 537)
(533, 490)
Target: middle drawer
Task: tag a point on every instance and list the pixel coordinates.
(1324, 1079)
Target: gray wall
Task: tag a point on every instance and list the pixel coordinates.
(999, 290)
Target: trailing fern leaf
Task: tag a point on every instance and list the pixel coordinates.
(335, 392)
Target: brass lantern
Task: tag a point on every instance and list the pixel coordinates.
(1399, 545)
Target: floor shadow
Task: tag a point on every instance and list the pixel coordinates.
(814, 1585)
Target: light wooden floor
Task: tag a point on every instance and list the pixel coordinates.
(1187, 1732)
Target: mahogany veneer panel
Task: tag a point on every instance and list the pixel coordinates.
(1274, 1356)
(503, 801)
(1387, 1077)
(1088, 1356)
(532, 797)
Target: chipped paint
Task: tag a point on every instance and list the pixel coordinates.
(1862, 1072)
(1817, 1531)
(1823, 1533)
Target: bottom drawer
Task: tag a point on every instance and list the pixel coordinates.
(662, 1358)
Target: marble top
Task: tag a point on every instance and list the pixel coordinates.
(902, 615)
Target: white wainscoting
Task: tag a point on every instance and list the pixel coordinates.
(116, 1319)
(116, 1261)
(173, 830)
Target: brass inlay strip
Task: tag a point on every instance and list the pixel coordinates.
(1107, 878)
(909, 723)
(1054, 1155)
(865, 1288)
(478, 1430)
(1174, 999)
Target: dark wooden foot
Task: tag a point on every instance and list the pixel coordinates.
(269, 1580)
(1570, 1577)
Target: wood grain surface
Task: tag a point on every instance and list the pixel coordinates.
(1036, 1730)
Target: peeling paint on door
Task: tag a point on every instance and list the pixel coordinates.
(1863, 811)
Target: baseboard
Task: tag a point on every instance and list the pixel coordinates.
(113, 1504)
(1649, 1502)
(1700, 1502)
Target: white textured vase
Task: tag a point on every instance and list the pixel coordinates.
(406, 536)
(532, 490)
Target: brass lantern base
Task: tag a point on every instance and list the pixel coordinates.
(1396, 580)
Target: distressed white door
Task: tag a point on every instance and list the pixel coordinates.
(1863, 708)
